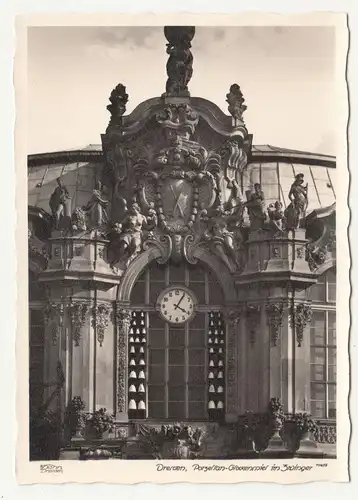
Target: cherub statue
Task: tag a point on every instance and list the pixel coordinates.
(298, 196)
(256, 208)
(276, 217)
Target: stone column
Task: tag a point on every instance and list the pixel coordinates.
(253, 338)
(122, 321)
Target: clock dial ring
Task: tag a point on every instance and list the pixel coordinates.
(177, 304)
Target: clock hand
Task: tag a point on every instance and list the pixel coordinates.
(178, 304)
(183, 310)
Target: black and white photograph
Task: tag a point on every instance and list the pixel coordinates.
(182, 188)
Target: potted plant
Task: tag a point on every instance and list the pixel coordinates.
(305, 426)
(101, 422)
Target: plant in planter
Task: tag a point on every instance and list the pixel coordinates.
(100, 421)
(177, 441)
(76, 417)
(305, 425)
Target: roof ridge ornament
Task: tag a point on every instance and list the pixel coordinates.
(180, 62)
(236, 100)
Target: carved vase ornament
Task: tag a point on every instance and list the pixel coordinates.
(301, 315)
(78, 313)
(53, 317)
(274, 311)
(100, 320)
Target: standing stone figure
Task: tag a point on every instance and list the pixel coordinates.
(256, 208)
(96, 208)
(296, 210)
(60, 203)
(180, 62)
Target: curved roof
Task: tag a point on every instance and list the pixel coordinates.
(274, 168)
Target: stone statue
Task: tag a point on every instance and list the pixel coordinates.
(235, 204)
(60, 203)
(276, 217)
(218, 234)
(127, 236)
(96, 208)
(256, 208)
(79, 220)
(296, 210)
(117, 108)
(236, 100)
(180, 62)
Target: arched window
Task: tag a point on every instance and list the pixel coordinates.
(177, 371)
(323, 346)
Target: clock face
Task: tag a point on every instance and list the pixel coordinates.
(176, 305)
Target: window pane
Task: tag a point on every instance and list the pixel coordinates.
(156, 374)
(138, 293)
(157, 273)
(156, 392)
(318, 292)
(198, 322)
(196, 374)
(199, 290)
(176, 392)
(197, 338)
(331, 293)
(176, 356)
(156, 338)
(332, 355)
(317, 373)
(197, 393)
(156, 410)
(177, 338)
(331, 392)
(318, 409)
(176, 374)
(155, 289)
(197, 410)
(332, 409)
(332, 328)
(176, 410)
(197, 274)
(196, 357)
(155, 321)
(332, 373)
(318, 355)
(317, 328)
(157, 356)
(318, 392)
(177, 274)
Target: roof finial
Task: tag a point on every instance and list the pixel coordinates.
(236, 100)
(180, 62)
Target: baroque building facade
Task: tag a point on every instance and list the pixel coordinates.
(181, 287)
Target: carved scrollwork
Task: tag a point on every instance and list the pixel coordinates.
(163, 243)
(301, 315)
(178, 120)
(274, 311)
(53, 316)
(78, 313)
(100, 320)
(122, 320)
(253, 315)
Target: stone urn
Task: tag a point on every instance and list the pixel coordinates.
(178, 449)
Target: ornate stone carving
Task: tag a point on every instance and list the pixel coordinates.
(296, 210)
(232, 320)
(236, 100)
(301, 315)
(123, 320)
(253, 317)
(180, 62)
(255, 205)
(126, 237)
(60, 204)
(117, 108)
(177, 120)
(234, 157)
(78, 220)
(78, 312)
(53, 316)
(100, 320)
(274, 311)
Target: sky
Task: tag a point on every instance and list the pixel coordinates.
(287, 76)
